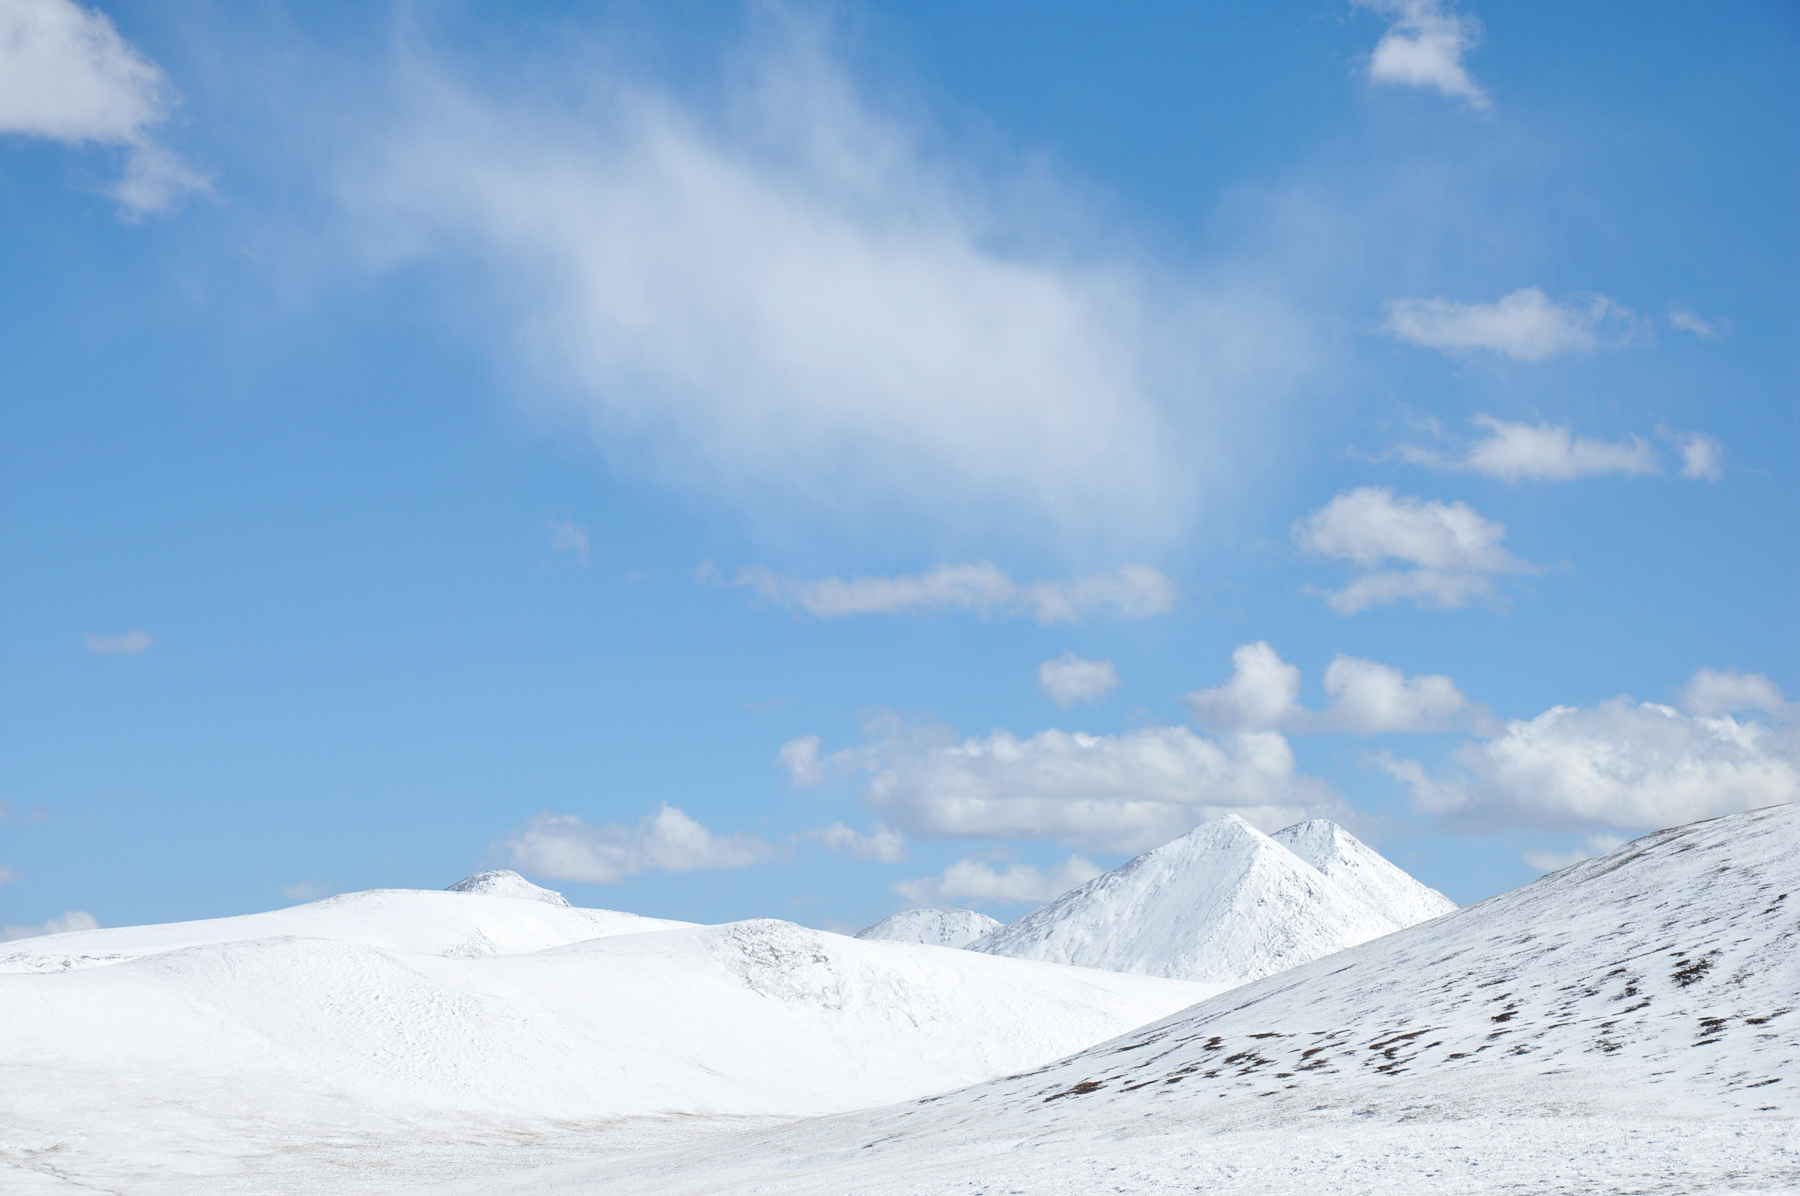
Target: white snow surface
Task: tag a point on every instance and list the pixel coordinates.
(264, 1054)
(502, 882)
(425, 921)
(1630, 1024)
(1223, 904)
(934, 927)
(1359, 870)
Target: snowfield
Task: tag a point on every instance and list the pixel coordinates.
(937, 927)
(1630, 1024)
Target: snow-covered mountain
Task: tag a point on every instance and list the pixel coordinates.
(1223, 904)
(378, 1039)
(502, 882)
(933, 927)
(1356, 868)
(1630, 1024)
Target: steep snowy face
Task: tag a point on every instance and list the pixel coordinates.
(503, 883)
(1222, 904)
(933, 927)
(1360, 871)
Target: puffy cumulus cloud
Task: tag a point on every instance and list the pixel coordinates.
(564, 847)
(1375, 699)
(1107, 792)
(974, 882)
(1540, 452)
(787, 299)
(75, 919)
(1456, 551)
(884, 846)
(1710, 693)
(568, 536)
(1552, 861)
(67, 75)
(1424, 47)
(1702, 456)
(1069, 679)
(801, 759)
(1134, 592)
(1526, 324)
(1624, 765)
(132, 643)
(1263, 692)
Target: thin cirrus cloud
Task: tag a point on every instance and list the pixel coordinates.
(1527, 324)
(1455, 552)
(1621, 765)
(1546, 452)
(66, 75)
(1365, 698)
(1123, 792)
(1132, 592)
(975, 882)
(1424, 47)
(132, 643)
(567, 536)
(782, 298)
(1688, 320)
(563, 847)
(1069, 679)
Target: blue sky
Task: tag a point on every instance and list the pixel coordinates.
(728, 461)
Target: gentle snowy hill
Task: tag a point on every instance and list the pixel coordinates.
(294, 1060)
(1358, 870)
(933, 927)
(483, 915)
(1631, 1023)
(1223, 904)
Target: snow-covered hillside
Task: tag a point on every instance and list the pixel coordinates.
(934, 927)
(1357, 869)
(1223, 904)
(304, 1051)
(483, 915)
(1631, 1024)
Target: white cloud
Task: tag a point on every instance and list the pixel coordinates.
(884, 846)
(1542, 453)
(1263, 692)
(564, 847)
(1710, 693)
(794, 303)
(1707, 330)
(568, 536)
(1552, 861)
(1134, 592)
(1702, 457)
(801, 758)
(974, 882)
(1069, 679)
(74, 920)
(1424, 47)
(307, 890)
(132, 643)
(1457, 551)
(1375, 699)
(1623, 765)
(67, 75)
(9, 875)
(1525, 324)
(1106, 792)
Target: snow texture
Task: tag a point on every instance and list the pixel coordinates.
(1223, 904)
(933, 927)
(1629, 1024)
(504, 883)
(1353, 866)
(360, 1044)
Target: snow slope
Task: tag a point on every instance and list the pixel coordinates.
(1357, 869)
(483, 915)
(341, 1064)
(934, 927)
(1223, 904)
(1630, 1024)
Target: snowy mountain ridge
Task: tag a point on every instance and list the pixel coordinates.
(933, 927)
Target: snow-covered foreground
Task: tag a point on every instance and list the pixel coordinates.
(1629, 1024)
(384, 1039)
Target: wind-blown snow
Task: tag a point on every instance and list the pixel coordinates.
(1357, 869)
(502, 882)
(934, 927)
(1223, 904)
(1630, 1024)
(349, 1045)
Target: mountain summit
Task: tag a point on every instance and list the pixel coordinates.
(503, 883)
(933, 927)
